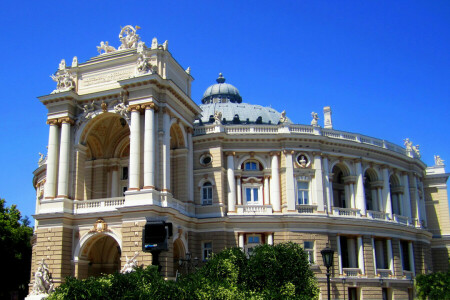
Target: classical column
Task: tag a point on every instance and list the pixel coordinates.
(422, 204)
(166, 150)
(266, 190)
(352, 194)
(290, 185)
(339, 253)
(52, 159)
(406, 197)
(149, 146)
(231, 181)
(411, 258)
(238, 190)
(360, 198)
(64, 158)
(190, 163)
(380, 198)
(318, 183)
(135, 148)
(80, 160)
(270, 239)
(390, 256)
(387, 205)
(361, 255)
(241, 241)
(417, 208)
(328, 189)
(114, 181)
(275, 183)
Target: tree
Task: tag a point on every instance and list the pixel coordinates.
(15, 250)
(434, 286)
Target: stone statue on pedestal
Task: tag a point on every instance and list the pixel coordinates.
(315, 120)
(438, 161)
(43, 283)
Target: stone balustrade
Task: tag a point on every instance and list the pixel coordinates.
(384, 273)
(351, 272)
(98, 205)
(253, 209)
(297, 129)
(306, 208)
(348, 212)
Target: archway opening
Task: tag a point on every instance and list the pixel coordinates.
(103, 256)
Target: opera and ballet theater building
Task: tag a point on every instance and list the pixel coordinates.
(128, 145)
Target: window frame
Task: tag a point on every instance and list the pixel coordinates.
(208, 187)
(303, 179)
(207, 251)
(310, 251)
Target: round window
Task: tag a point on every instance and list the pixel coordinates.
(303, 160)
(205, 159)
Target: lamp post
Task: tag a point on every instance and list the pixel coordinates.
(327, 256)
(187, 262)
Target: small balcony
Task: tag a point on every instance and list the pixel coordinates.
(401, 219)
(384, 273)
(377, 215)
(306, 208)
(254, 209)
(408, 275)
(346, 212)
(98, 205)
(352, 272)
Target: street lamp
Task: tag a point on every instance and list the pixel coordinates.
(327, 256)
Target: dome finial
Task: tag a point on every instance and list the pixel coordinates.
(220, 79)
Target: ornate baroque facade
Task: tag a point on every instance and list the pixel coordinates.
(127, 143)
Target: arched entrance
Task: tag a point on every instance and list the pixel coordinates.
(101, 255)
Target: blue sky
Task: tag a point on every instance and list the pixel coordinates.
(382, 66)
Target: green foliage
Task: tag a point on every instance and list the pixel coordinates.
(272, 272)
(434, 286)
(15, 250)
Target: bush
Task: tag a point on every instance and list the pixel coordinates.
(433, 286)
(271, 272)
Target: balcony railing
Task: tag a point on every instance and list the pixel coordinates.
(351, 272)
(298, 129)
(347, 212)
(401, 219)
(97, 205)
(254, 209)
(378, 215)
(408, 274)
(384, 273)
(306, 208)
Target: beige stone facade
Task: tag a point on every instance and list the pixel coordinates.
(128, 144)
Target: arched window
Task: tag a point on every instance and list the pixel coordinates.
(207, 190)
(394, 188)
(251, 165)
(370, 191)
(339, 197)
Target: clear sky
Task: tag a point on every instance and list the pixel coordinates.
(382, 66)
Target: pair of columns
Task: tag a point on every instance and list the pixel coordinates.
(149, 146)
(271, 187)
(58, 159)
(351, 247)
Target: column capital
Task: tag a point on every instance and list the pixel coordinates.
(190, 130)
(273, 153)
(230, 153)
(288, 151)
(150, 105)
(136, 107)
(53, 121)
(384, 167)
(358, 160)
(67, 120)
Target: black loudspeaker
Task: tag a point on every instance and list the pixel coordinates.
(155, 235)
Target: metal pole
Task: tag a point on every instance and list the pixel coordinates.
(328, 282)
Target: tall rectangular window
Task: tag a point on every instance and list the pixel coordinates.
(124, 173)
(251, 195)
(308, 246)
(207, 250)
(405, 255)
(207, 193)
(302, 192)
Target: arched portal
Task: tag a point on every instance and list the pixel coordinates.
(101, 255)
(106, 140)
(178, 162)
